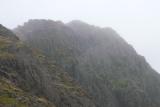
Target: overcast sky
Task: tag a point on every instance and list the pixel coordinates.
(137, 21)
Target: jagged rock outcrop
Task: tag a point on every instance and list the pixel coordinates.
(29, 70)
(99, 59)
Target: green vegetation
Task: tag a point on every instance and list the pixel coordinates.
(4, 43)
(10, 95)
(118, 84)
(97, 58)
(28, 79)
(7, 33)
(20, 45)
(6, 56)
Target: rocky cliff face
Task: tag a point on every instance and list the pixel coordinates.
(28, 79)
(99, 59)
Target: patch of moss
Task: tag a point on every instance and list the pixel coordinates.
(10, 96)
(117, 84)
(20, 45)
(6, 56)
(68, 86)
(38, 55)
(7, 100)
(5, 43)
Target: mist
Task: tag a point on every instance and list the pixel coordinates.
(136, 21)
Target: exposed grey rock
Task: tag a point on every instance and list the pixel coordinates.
(29, 70)
(99, 59)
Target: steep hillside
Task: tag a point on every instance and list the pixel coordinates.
(28, 79)
(99, 59)
(12, 96)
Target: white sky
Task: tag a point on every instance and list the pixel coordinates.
(137, 21)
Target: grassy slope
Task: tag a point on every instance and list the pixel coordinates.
(24, 71)
(10, 95)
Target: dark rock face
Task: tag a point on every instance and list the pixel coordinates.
(99, 59)
(29, 70)
(7, 33)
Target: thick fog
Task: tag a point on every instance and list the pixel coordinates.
(137, 21)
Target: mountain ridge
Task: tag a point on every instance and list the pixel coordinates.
(40, 82)
(100, 60)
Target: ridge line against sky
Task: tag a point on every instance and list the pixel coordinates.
(137, 21)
